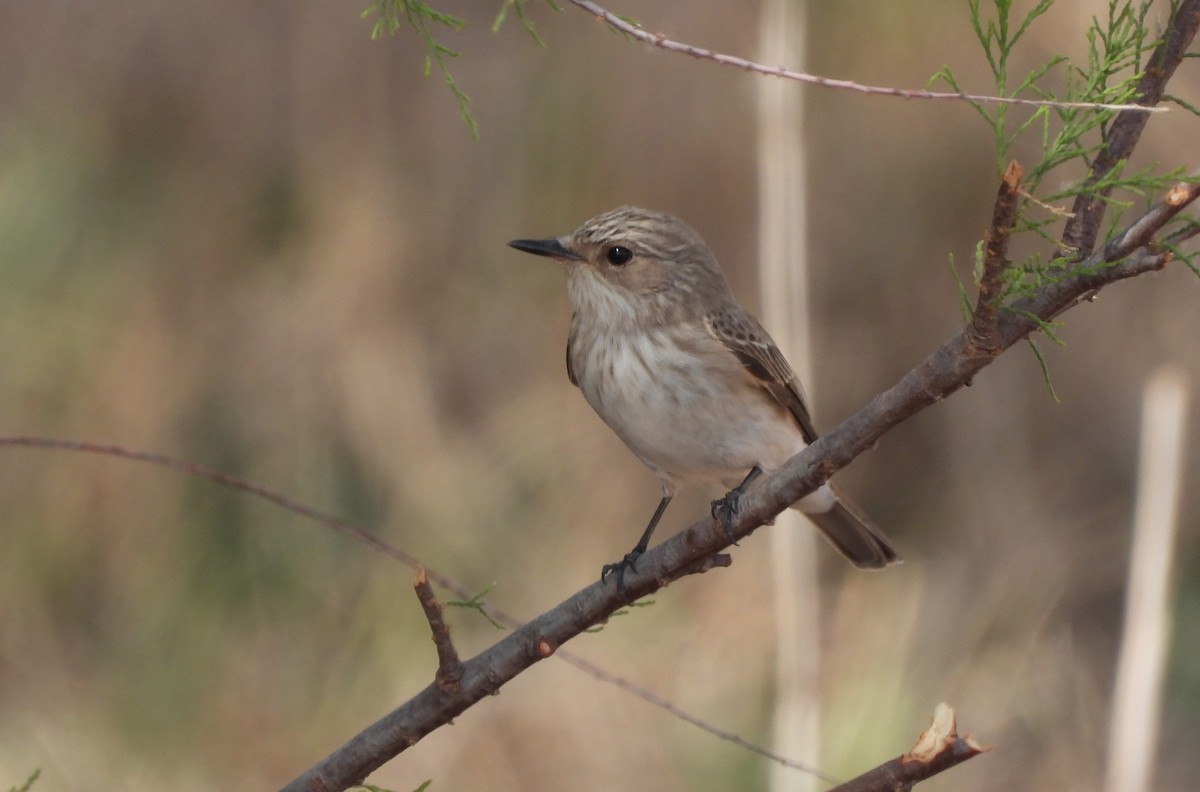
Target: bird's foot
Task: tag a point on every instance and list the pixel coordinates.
(725, 510)
(628, 563)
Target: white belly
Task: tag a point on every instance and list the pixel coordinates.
(692, 414)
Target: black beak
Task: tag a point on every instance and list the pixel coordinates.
(545, 247)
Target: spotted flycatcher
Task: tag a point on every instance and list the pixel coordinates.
(685, 376)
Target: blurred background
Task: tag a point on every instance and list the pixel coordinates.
(248, 235)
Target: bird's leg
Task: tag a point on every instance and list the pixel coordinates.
(631, 558)
(725, 509)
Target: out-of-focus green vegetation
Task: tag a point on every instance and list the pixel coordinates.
(249, 235)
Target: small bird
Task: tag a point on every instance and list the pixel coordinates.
(686, 377)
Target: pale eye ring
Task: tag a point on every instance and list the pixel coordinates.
(618, 255)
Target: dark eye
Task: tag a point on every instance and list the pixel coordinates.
(618, 255)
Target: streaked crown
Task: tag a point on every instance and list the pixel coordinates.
(653, 260)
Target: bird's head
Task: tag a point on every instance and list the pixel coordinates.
(634, 264)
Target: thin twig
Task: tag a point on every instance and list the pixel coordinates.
(233, 482)
(389, 550)
(1183, 234)
(661, 41)
(1141, 231)
(1134, 244)
(683, 715)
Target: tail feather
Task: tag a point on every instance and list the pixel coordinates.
(855, 536)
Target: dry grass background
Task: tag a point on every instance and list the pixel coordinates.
(246, 234)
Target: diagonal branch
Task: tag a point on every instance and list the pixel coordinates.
(623, 25)
(943, 372)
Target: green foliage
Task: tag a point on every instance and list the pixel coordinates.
(390, 16)
(372, 788)
(1115, 49)
(1188, 106)
(645, 602)
(1037, 353)
(1069, 138)
(421, 17)
(1188, 227)
(963, 296)
(28, 782)
(477, 603)
(526, 22)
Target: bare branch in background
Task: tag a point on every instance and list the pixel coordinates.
(389, 550)
(662, 42)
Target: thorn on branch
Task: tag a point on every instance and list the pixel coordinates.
(938, 748)
(450, 668)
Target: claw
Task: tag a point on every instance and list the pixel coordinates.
(629, 562)
(631, 558)
(724, 510)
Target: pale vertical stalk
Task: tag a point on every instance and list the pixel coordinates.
(1137, 695)
(782, 240)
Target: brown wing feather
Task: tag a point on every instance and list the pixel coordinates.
(749, 342)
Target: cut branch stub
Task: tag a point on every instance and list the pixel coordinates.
(938, 748)
(995, 261)
(450, 668)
